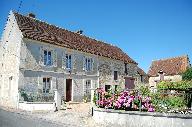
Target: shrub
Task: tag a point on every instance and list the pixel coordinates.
(180, 85)
(187, 75)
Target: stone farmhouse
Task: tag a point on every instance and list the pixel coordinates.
(167, 70)
(38, 58)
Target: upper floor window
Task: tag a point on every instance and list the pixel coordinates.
(88, 64)
(46, 85)
(48, 58)
(115, 75)
(141, 78)
(68, 61)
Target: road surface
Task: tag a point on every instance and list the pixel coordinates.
(11, 119)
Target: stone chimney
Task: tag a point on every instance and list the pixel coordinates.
(161, 75)
(80, 32)
(31, 15)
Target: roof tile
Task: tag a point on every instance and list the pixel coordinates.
(37, 30)
(170, 66)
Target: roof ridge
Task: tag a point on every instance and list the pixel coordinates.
(89, 44)
(163, 59)
(100, 41)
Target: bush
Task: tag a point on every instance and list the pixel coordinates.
(180, 85)
(187, 75)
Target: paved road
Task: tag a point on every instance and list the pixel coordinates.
(10, 119)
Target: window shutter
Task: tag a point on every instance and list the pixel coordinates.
(92, 64)
(84, 66)
(54, 58)
(63, 60)
(54, 83)
(41, 56)
(73, 62)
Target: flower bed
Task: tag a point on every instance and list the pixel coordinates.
(125, 100)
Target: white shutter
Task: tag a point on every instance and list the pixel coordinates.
(41, 56)
(74, 61)
(84, 66)
(54, 58)
(53, 83)
(92, 62)
(63, 60)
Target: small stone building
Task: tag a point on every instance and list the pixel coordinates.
(38, 58)
(167, 70)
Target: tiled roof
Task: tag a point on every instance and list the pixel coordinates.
(170, 66)
(37, 30)
(140, 71)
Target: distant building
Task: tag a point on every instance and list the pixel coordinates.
(142, 76)
(167, 70)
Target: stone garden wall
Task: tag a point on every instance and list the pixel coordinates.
(140, 119)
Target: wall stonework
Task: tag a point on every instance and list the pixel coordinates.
(102, 73)
(9, 69)
(174, 78)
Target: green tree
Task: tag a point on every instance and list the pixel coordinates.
(187, 75)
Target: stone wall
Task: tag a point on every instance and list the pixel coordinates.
(9, 68)
(102, 73)
(140, 119)
(173, 78)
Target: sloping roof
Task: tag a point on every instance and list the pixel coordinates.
(170, 66)
(41, 31)
(140, 71)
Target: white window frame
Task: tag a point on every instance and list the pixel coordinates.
(47, 58)
(87, 66)
(68, 61)
(50, 85)
(85, 88)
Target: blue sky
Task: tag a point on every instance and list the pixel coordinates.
(145, 29)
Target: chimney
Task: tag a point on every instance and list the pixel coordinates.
(161, 75)
(80, 32)
(31, 15)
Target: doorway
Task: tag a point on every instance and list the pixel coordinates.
(129, 83)
(68, 89)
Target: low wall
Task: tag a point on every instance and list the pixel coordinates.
(140, 119)
(32, 106)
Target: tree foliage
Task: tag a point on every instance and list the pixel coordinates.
(187, 75)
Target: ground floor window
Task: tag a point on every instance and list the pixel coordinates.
(107, 87)
(87, 90)
(46, 85)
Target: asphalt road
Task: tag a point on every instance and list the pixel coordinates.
(10, 119)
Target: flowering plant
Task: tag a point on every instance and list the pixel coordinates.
(127, 100)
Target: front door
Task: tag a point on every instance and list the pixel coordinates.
(68, 89)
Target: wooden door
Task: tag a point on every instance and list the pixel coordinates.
(68, 89)
(129, 83)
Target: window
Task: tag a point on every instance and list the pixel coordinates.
(46, 85)
(87, 88)
(115, 75)
(88, 64)
(126, 71)
(107, 87)
(48, 58)
(141, 78)
(116, 87)
(68, 61)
